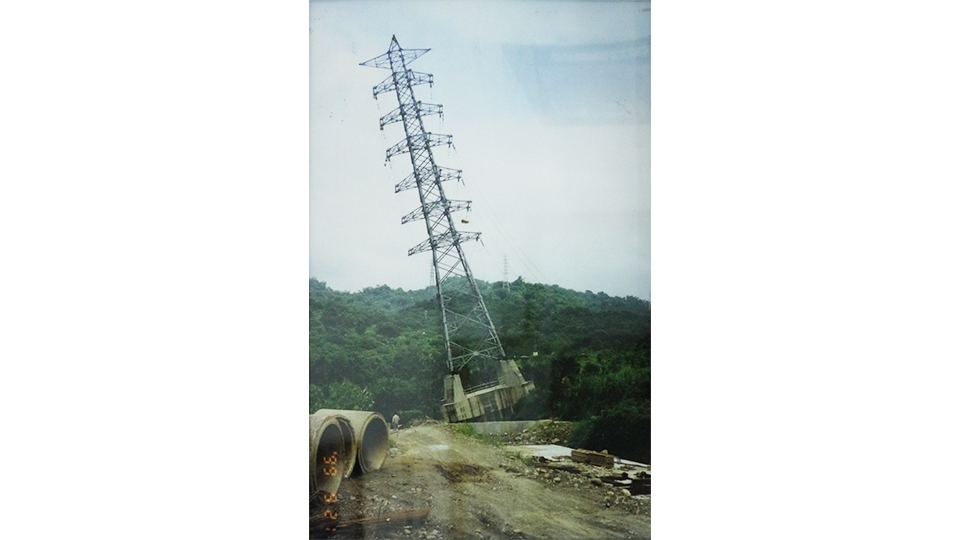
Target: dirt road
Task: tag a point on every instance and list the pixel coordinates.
(475, 490)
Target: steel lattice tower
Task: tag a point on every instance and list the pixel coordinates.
(468, 332)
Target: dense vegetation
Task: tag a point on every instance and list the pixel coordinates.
(588, 354)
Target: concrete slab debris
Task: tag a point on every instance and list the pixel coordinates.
(556, 451)
(591, 457)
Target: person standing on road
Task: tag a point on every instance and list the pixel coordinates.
(396, 421)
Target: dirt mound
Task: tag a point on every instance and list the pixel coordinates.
(460, 472)
(436, 484)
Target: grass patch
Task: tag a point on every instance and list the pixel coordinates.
(466, 429)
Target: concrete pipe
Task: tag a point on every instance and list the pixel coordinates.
(349, 441)
(371, 435)
(326, 455)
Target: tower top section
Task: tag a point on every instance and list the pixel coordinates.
(393, 56)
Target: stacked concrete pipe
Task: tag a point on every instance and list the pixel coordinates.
(370, 436)
(349, 441)
(327, 455)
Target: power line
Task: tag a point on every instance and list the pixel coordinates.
(524, 259)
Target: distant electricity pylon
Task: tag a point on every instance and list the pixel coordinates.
(468, 332)
(506, 269)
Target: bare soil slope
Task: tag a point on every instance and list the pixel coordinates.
(475, 490)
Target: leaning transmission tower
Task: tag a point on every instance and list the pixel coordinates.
(468, 332)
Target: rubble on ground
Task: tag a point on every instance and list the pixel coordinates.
(547, 432)
(629, 488)
(401, 501)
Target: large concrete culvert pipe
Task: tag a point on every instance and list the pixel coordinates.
(326, 454)
(349, 441)
(370, 433)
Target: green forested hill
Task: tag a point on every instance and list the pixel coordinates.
(381, 349)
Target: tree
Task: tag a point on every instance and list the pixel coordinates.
(340, 395)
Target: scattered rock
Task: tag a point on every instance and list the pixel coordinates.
(574, 480)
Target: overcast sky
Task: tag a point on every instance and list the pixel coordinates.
(549, 107)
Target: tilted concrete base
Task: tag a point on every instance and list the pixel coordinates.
(486, 403)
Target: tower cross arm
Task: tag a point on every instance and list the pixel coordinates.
(428, 209)
(443, 174)
(384, 60)
(397, 114)
(413, 77)
(418, 142)
(447, 239)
